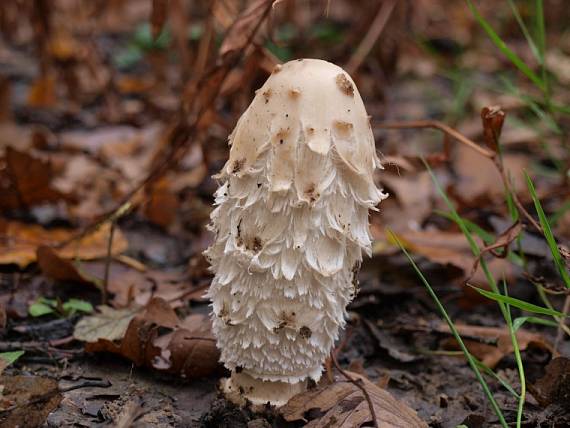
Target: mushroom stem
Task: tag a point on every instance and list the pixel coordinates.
(241, 387)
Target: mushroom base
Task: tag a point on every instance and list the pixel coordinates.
(241, 388)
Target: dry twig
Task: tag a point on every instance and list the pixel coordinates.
(359, 385)
(369, 40)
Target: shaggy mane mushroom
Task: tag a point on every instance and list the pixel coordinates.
(290, 224)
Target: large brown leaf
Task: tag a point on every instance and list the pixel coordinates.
(344, 405)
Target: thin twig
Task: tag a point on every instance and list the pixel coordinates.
(359, 385)
(516, 200)
(51, 393)
(207, 339)
(435, 124)
(108, 264)
(50, 345)
(371, 36)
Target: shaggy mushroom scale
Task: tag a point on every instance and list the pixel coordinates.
(291, 226)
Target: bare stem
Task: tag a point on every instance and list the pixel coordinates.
(369, 40)
(105, 289)
(435, 124)
(360, 386)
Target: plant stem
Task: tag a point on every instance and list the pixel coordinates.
(105, 289)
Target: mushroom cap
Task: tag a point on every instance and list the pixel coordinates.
(308, 102)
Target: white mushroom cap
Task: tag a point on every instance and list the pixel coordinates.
(306, 101)
(291, 223)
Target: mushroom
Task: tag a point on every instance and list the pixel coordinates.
(290, 224)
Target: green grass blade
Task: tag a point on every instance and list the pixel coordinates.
(455, 333)
(501, 45)
(540, 28)
(487, 237)
(521, 304)
(518, 358)
(518, 322)
(560, 265)
(498, 378)
(534, 49)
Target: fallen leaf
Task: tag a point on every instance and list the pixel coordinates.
(479, 181)
(391, 345)
(109, 324)
(413, 200)
(452, 248)
(492, 344)
(42, 92)
(344, 405)
(20, 241)
(129, 285)
(192, 348)
(162, 204)
(154, 337)
(243, 27)
(56, 267)
(26, 181)
(554, 386)
(21, 391)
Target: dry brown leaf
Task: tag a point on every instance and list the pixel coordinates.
(26, 181)
(344, 405)
(412, 202)
(20, 241)
(479, 182)
(189, 349)
(554, 386)
(162, 203)
(491, 344)
(451, 248)
(192, 348)
(243, 27)
(129, 285)
(56, 267)
(42, 92)
(23, 392)
(502, 242)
